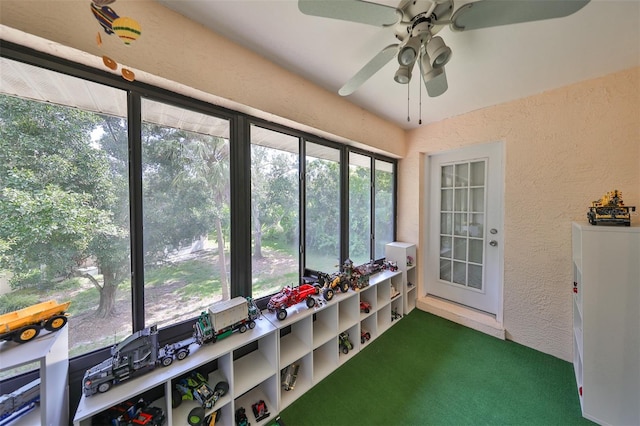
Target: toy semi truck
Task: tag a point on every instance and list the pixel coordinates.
(25, 324)
(141, 351)
(224, 318)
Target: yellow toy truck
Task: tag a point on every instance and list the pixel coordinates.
(25, 324)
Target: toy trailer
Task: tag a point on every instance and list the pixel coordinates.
(224, 318)
(25, 324)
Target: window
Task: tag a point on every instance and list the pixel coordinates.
(384, 210)
(359, 208)
(64, 201)
(322, 208)
(275, 195)
(185, 173)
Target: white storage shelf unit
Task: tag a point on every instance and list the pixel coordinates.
(400, 253)
(606, 322)
(251, 377)
(308, 337)
(51, 352)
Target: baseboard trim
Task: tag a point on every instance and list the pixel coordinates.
(462, 315)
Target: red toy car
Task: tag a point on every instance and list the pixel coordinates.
(290, 296)
(364, 336)
(365, 307)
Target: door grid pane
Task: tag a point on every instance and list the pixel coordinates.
(463, 192)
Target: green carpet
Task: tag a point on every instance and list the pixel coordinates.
(427, 370)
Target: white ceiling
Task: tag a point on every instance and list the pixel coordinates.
(488, 67)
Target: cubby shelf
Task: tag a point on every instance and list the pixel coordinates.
(253, 362)
(50, 351)
(606, 322)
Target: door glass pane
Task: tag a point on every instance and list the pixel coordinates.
(459, 273)
(465, 204)
(460, 248)
(445, 269)
(447, 176)
(475, 251)
(477, 174)
(446, 203)
(446, 223)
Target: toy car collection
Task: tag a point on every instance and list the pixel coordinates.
(25, 324)
(141, 352)
(290, 296)
(131, 413)
(610, 209)
(19, 402)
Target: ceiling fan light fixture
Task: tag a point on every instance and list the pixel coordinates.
(403, 75)
(428, 72)
(409, 52)
(439, 53)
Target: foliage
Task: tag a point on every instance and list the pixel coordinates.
(14, 301)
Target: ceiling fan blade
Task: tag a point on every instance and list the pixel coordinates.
(352, 10)
(372, 67)
(437, 85)
(492, 13)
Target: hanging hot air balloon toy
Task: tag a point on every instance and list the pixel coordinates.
(126, 28)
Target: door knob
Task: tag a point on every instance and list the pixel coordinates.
(493, 243)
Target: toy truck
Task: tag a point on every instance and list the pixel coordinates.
(224, 318)
(20, 402)
(136, 354)
(290, 296)
(25, 324)
(141, 352)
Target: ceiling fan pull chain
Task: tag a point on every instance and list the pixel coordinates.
(420, 105)
(408, 117)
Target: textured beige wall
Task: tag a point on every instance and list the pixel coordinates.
(563, 149)
(179, 50)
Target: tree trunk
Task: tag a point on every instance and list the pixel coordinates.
(257, 232)
(107, 304)
(222, 260)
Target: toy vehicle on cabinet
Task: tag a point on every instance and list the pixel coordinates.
(135, 355)
(25, 324)
(140, 352)
(365, 307)
(290, 296)
(225, 318)
(19, 402)
(610, 209)
(290, 376)
(260, 410)
(329, 283)
(129, 413)
(365, 336)
(195, 387)
(241, 417)
(344, 343)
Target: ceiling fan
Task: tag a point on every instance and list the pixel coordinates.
(416, 22)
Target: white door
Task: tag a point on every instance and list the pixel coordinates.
(464, 237)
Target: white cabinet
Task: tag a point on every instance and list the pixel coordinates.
(51, 352)
(309, 337)
(247, 361)
(606, 322)
(404, 254)
(252, 362)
